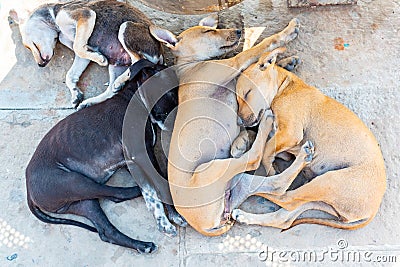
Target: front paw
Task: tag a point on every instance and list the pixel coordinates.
(84, 104)
(102, 61)
(239, 147)
(116, 86)
(267, 122)
(166, 227)
(77, 97)
(293, 29)
(178, 219)
(239, 216)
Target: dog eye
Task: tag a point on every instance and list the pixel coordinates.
(247, 94)
(209, 30)
(36, 46)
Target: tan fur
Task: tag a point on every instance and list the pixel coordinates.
(348, 164)
(199, 173)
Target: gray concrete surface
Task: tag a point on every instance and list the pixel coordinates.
(362, 72)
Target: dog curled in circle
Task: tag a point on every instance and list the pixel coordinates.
(69, 169)
(106, 32)
(333, 148)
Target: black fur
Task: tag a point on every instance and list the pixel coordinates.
(78, 155)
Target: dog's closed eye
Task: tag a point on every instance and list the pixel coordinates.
(209, 30)
(247, 94)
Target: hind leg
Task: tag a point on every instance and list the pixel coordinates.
(56, 193)
(155, 206)
(113, 72)
(85, 21)
(174, 216)
(281, 218)
(122, 78)
(91, 210)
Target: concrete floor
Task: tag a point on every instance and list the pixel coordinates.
(363, 75)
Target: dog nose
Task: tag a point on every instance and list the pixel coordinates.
(239, 121)
(239, 33)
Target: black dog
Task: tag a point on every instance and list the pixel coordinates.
(77, 156)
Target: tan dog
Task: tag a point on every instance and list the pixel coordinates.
(206, 121)
(347, 168)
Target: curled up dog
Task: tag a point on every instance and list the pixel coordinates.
(200, 169)
(333, 148)
(106, 32)
(72, 163)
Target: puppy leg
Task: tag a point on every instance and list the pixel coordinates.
(124, 37)
(113, 71)
(244, 59)
(91, 210)
(289, 63)
(288, 136)
(242, 143)
(281, 218)
(174, 216)
(86, 19)
(155, 206)
(122, 78)
(248, 185)
(74, 73)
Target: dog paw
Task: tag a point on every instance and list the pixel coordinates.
(294, 29)
(308, 149)
(102, 61)
(289, 63)
(239, 216)
(178, 219)
(239, 147)
(117, 86)
(147, 247)
(77, 97)
(166, 227)
(83, 105)
(267, 121)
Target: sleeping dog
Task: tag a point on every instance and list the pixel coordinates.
(106, 32)
(72, 163)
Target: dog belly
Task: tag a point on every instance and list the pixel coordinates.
(104, 38)
(202, 138)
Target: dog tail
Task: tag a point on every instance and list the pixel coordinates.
(332, 223)
(49, 219)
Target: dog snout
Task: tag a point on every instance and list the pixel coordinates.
(44, 63)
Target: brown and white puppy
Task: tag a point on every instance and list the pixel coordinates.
(199, 167)
(106, 32)
(347, 168)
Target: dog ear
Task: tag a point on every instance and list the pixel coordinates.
(269, 58)
(164, 36)
(19, 17)
(210, 21)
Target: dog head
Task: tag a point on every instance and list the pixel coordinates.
(38, 34)
(200, 42)
(256, 88)
(152, 81)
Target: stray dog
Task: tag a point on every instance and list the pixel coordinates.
(106, 32)
(76, 158)
(206, 120)
(339, 154)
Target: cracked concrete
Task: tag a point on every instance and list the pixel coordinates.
(362, 72)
